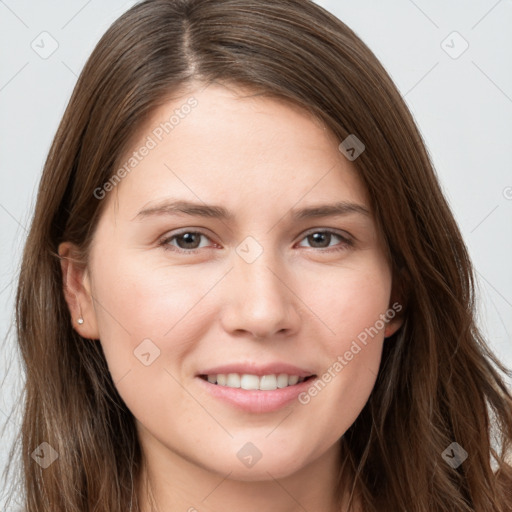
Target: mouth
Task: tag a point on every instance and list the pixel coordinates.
(268, 382)
(257, 394)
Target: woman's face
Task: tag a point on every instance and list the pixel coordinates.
(218, 252)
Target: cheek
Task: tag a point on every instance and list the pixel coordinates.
(352, 307)
(148, 323)
(349, 302)
(147, 314)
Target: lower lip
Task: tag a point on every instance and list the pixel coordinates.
(256, 400)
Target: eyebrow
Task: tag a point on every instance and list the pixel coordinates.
(219, 212)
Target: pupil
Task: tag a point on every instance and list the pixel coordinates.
(189, 238)
(319, 237)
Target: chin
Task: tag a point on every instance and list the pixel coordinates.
(261, 471)
(272, 463)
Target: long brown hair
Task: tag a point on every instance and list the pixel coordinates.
(438, 383)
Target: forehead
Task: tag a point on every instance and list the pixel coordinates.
(222, 144)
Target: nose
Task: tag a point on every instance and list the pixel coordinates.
(260, 299)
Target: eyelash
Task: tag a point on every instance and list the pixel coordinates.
(345, 241)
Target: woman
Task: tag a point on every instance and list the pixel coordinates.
(259, 369)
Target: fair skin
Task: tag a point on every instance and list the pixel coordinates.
(301, 301)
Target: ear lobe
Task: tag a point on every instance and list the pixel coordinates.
(77, 291)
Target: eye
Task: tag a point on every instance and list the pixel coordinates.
(186, 241)
(320, 239)
(190, 241)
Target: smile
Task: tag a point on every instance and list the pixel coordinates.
(252, 393)
(247, 381)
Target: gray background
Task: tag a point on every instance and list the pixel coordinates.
(461, 98)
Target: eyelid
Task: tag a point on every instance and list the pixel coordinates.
(347, 241)
(339, 232)
(165, 240)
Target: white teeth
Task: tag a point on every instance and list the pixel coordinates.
(233, 380)
(282, 380)
(268, 382)
(293, 380)
(248, 381)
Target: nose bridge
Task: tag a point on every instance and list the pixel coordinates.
(258, 300)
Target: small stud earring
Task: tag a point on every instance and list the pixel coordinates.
(80, 320)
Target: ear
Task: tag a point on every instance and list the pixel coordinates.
(396, 304)
(77, 291)
(396, 322)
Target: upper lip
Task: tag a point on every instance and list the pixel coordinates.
(254, 369)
